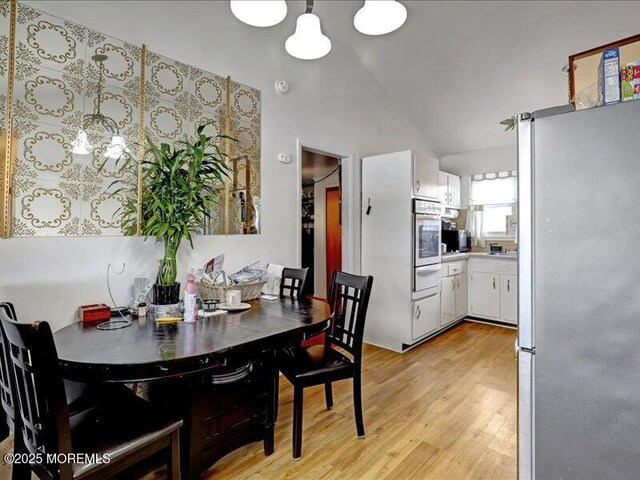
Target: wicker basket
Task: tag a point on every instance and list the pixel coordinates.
(248, 291)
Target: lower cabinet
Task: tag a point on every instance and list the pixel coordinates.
(493, 289)
(485, 295)
(453, 298)
(509, 298)
(426, 313)
(461, 295)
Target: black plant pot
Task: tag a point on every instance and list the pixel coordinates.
(166, 294)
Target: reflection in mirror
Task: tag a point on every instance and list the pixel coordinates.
(75, 115)
(81, 115)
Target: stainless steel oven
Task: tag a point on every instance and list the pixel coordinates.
(427, 232)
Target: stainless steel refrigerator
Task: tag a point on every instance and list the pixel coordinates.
(578, 341)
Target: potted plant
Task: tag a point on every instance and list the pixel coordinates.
(180, 185)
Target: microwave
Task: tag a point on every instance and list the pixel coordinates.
(456, 240)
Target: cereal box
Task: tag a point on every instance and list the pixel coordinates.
(630, 81)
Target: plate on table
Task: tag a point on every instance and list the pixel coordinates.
(234, 308)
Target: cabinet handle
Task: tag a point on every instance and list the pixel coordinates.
(418, 185)
(453, 283)
(494, 283)
(508, 285)
(458, 283)
(418, 312)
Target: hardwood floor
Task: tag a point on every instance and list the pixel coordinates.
(445, 410)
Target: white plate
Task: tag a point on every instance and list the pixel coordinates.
(234, 308)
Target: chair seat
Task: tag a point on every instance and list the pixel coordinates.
(117, 429)
(310, 365)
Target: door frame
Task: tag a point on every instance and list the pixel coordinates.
(348, 183)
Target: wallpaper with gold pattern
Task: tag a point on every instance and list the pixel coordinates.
(56, 192)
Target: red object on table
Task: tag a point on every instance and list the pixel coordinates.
(95, 312)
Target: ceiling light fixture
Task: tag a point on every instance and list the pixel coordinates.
(308, 42)
(379, 17)
(259, 13)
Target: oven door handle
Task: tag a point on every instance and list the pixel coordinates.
(427, 270)
(420, 216)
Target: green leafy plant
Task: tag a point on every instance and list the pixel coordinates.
(509, 123)
(180, 185)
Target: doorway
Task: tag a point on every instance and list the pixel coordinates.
(321, 219)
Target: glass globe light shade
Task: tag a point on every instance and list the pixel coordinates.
(81, 145)
(308, 41)
(379, 17)
(117, 147)
(259, 13)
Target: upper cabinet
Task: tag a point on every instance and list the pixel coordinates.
(449, 189)
(425, 177)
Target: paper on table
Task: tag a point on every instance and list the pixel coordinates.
(202, 313)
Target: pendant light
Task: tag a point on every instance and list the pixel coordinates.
(259, 13)
(81, 145)
(379, 17)
(308, 42)
(117, 147)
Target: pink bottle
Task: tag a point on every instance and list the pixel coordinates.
(190, 305)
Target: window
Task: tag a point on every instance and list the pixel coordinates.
(497, 193)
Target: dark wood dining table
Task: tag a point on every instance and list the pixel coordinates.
(179, 360)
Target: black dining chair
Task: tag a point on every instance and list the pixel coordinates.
(293, 280)
(125, 429)
(339, 358)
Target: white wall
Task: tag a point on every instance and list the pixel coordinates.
(333, 101)
(479, 161)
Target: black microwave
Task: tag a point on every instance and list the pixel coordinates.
(456, 240)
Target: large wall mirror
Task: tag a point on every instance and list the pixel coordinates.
(77, 110)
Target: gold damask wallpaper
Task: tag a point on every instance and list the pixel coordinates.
(64, 71)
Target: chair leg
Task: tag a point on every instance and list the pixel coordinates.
(20, 471)
(328, 395)
(173, 463)
(357, 404)
(276, 396)
(297, 422)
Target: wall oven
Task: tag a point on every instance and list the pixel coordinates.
(427, 233)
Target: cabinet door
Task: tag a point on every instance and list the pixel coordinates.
(509, 298)
(426, 316)
(447, 300)
(461, 295)
(454, 190)
(484, 295)
(425, 177)
(443, 188)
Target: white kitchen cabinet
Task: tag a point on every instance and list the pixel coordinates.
(493, 289)
(449, 189)
(509, 298)
(484, 295)
(447, 300)
(425, 177)
(461, 295)
(426, 313)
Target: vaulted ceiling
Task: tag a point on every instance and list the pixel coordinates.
(458, 68)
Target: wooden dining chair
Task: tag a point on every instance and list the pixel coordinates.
(126, 429)
(293, 280)
(339, 358)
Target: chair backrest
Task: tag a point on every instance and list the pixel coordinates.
(43, 407)
(293, 279)
(349, 300)
(8, 395)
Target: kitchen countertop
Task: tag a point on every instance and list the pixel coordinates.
(449, 257)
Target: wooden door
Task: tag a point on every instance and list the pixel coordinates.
(333, 233)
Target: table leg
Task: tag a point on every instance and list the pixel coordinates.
(271, 368)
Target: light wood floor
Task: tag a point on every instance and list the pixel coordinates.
(445, 410)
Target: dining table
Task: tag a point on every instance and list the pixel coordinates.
(219, 374)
